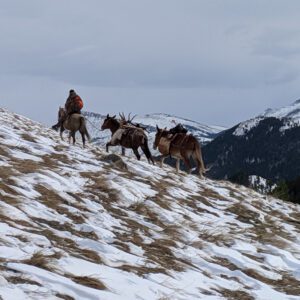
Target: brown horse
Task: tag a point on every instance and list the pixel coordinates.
(73, 123)
(181, 146)
(128, 137)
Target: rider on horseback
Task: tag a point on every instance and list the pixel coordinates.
(73, 105)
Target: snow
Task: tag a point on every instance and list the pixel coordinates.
(143, 233)
(289, 114)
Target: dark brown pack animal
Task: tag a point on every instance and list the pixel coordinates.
(180, 146)
(127, 136)
(73, 123)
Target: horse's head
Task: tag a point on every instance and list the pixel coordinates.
(110, 122)
(61, 113)
(160, 133)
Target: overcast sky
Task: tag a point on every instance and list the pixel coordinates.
(214, 61)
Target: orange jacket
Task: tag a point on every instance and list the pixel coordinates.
(78, 102)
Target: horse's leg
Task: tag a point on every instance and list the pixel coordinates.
(83, 138)
(162, 159)
(198, 163)
(123, 151)
(74, 138)
(147, 152)
(136, 152)
(177, 165)
(107, 146)
(61, 133)
(187, 163)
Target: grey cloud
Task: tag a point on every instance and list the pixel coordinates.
(208, 55)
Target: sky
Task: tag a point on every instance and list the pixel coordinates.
(213, 61)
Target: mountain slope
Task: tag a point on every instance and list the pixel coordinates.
(289, 116)
(292, 111)
(73, 226)
(267, 146)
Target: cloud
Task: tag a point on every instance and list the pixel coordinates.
(168, 51)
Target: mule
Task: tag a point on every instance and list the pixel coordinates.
(73, 123)
(128, 137)
(180, 146)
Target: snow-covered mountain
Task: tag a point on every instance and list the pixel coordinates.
(289, 115)
(292, 111)
(267, 145)
(204, 133)
(74, 225)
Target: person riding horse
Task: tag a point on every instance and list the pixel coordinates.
(73, 105)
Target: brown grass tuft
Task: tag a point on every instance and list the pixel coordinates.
(39, 260)
(90, 282)
(64, 297)
(21, 280)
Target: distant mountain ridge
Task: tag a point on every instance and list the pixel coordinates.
(290, 115)
(267, 145)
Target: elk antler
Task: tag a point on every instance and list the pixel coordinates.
(130, 119)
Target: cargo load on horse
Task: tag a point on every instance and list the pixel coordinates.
(127, 136)
(181, 146)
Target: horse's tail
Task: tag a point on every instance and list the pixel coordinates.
(198, 157)
(146, 150)
(83, 128)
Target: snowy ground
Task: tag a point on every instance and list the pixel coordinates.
(75, 227)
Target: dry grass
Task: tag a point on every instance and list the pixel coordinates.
(142, 270)
(21, 280)
(216, 237)
(288, 284)
(224, 262)
(90, 282)
(54, 201)
(64, 297)
(159, 253)
(244, 214)
(208, 193)
(39, 260)
(14, 222)
(70, 247)
(235, 295)
(66, 227)
(27, 137)
(98, 185)
(26, 166)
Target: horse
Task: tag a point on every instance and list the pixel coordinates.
(127, 136)
(180, 146)
(73, 123)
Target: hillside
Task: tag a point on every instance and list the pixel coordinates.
(204, 133)
(267, 146)
(75, 225)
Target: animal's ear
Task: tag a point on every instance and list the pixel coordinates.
(107, 116)
(157, 128)
(114, 117)
(165, 128)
